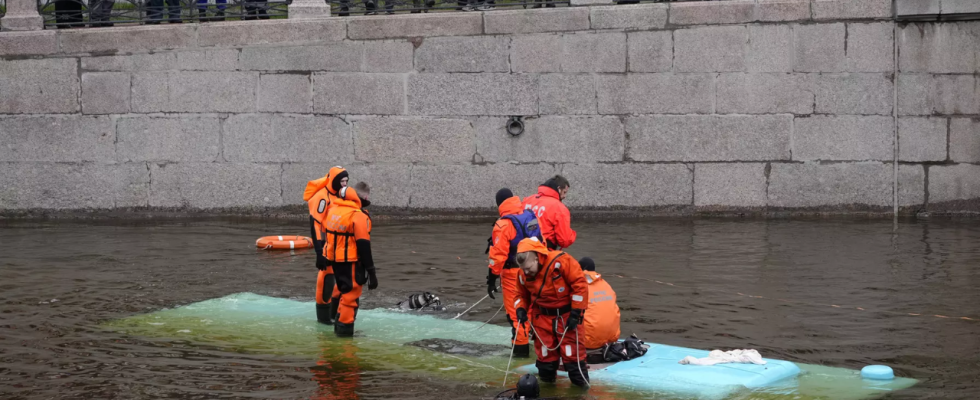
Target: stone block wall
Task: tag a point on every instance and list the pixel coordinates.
(727, 106)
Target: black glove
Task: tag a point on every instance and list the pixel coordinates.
(491, 284)
(372, 278)
(574, 318)
(321, 263)
(521, 316)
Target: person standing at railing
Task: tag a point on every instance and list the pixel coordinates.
(68, 13)
(202, 10)
(155, 11)
(256, 9)
(100, 12)
(418, 8)
(543, 3)
(371, 7)
(475, 5)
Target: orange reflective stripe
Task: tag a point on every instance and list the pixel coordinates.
(319, 205)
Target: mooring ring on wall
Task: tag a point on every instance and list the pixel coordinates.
(515, 126)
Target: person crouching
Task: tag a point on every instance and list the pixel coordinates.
(600, 326)
(553, 287)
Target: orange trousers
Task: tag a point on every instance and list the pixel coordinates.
(549, 331)
(350, 277)
(508, 285)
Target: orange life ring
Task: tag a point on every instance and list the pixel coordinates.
(284, 242)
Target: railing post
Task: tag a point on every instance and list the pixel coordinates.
(306, 9)
(21, 16)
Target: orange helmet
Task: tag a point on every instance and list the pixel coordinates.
(532, 244)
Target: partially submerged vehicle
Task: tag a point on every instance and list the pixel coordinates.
(468, 351)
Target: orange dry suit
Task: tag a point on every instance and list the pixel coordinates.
(507, 231)
(601, 324)
(319, 195)
(348, 249)
(558, 295)
(555, 220)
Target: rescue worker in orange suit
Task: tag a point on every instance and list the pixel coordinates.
(514, 225)
(553, 286)
(319, 196)
(555, 220)
(601, 323)
(348, 250)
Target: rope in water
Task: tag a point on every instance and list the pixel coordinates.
(795, 301)
(492, 317)
(471, 307)
(511, 358)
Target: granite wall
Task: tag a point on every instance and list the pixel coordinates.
(732, 106)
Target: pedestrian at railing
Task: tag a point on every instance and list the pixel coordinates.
(101, 13)
(255, 9)
(155, 11)
(219, 10)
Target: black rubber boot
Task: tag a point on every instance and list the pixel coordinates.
(334, 304)
(343, 330)
(547, 371)
(324, 314)
(202, 15)
(578, 373)
(219, 16)
(522, 351)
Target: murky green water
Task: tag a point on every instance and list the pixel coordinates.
(61, 282)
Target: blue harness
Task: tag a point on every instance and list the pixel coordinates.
(526, 225)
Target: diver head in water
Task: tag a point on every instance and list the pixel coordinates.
(527, 388)
(419, 301)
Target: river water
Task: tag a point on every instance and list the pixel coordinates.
(60, 280)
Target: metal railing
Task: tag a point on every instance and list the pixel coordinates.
(97, 13)
(371, 7)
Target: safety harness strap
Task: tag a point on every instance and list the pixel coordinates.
(555, 311)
